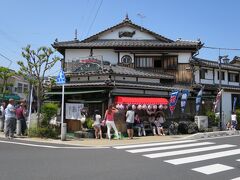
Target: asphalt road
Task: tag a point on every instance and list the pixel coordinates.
(202, 161)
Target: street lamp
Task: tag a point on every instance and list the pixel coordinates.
(225, 61)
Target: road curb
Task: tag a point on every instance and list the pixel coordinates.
(213, 134)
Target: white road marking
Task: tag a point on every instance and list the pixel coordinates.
(51, 147)
(211, 169)
(203, 157)
(238, 178)
(238, 160)
(153, 144)
(168, 147)
(187, 151)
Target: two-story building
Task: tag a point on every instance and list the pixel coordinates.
(125, 60)
(207, 73)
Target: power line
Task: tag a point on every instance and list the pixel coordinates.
(94, 17)
(7, 59)
(218, 48)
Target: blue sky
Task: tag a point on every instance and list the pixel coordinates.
(39, 23)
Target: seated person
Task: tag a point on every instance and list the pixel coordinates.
(140, 126)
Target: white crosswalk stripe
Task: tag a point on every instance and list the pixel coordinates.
(153, 144)
(203, 157)
(212, 169)
(238, 178)
(169, 147)
(187, 151)
(187, 148)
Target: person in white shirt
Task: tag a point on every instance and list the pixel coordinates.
(10, 119)
(234, 121)
(130, 121)
(97, 124)
(2, 115)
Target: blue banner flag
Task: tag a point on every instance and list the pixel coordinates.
(173, 101)
(199, 100)
(184, 99)
(234, 104)
(61, 78)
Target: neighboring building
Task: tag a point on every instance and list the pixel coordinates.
(206, 73)
(123, 61)
(18, 87)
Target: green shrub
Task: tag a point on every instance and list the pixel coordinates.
(49, 110)
(238, 117)
(89, 123)
(43, 132)
(213, 120)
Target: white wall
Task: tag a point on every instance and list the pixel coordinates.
(106, 54)
(227, 106)
(184, 57)
(138, 34)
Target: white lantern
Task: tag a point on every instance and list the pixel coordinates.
(139, 107)
(160, 106)
(121, 106)
(154, 107)
(144, 106)
(133, 107)
(149, 107)
(118, 106)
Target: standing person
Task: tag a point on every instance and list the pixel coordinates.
(20, 115)
(2, 115)
(10, 119)
(109, 117)
(130, 121)
(97, 124)
(234, 121)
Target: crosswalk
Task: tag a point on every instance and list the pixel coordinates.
(191, 151)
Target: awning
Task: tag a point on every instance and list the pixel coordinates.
(10, 96)
(140, 100)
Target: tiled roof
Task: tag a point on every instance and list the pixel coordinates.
(214, 64)
(119, 84)
(125, 71)
(126, 43)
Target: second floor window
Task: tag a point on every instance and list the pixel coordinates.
(25, 88)
(203, 73)
(233, 77)
(223, 75)
(162, 62)
(20, 88)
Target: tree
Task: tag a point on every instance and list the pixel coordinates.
(5, 74)
(38, 63)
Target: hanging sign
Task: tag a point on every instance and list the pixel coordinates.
(173, 101)
(199, 100)
(184, 99)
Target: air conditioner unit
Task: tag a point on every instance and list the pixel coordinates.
(201, 121)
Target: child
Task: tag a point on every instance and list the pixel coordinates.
(97, 124)
(139, 124)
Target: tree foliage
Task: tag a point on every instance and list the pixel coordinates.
(5, 74)
(38, 62)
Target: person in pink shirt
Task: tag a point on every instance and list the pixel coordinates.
(109, 117)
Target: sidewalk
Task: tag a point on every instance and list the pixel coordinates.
(136, 140)
(102, 142)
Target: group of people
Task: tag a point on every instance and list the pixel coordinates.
(134, 119)
(9, 114)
